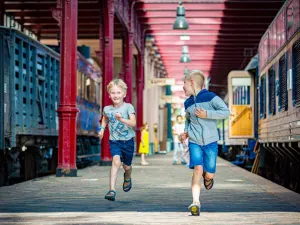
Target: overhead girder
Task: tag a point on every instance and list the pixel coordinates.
(223, 21)
(202, 57)
(200, 27)
(214, 41)
(209, 36)
(87, 5)
(203, 61)
(46, 5)
(207, 49)
(208, 14)
(191, 6)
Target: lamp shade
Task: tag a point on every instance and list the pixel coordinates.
(185, 58)
(185, 55)
(180, 22)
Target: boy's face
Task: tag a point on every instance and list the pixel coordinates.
(188, 88)
(117, 94)
(179, 119)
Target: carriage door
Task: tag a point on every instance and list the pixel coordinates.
(241, 102)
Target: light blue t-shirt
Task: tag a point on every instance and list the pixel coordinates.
(117, 129)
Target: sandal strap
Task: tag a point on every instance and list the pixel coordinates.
(111, 191)
(127, 180)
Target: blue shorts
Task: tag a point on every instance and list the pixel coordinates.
(124, 149)
(204, 155)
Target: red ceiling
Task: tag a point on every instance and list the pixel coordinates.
(224, 33)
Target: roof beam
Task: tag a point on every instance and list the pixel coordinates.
(211, 37)
(46, 5)
(210, 43)
(208, 14)
(221, 21)
(199, 27)
(191, 6)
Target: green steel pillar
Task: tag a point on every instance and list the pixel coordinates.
(169, 122)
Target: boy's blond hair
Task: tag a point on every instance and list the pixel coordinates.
(197, 76)
(117, 82)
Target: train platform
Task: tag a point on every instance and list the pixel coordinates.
(160, 195)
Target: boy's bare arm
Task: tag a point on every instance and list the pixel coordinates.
(129, 122)
(104, 122)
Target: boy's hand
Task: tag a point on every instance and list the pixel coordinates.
(201, 113)
(118, 116)
(182, 137)
(100, 134)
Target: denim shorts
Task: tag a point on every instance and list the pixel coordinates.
(204, 155)
(124, 149)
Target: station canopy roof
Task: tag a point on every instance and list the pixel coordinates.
(224, 34)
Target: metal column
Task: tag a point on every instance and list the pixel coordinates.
(109, 12)
(68, 87)
(139, 96)
(128, 71)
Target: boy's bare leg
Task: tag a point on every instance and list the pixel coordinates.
(209, 176)
(127, 173)
(208, 183)
(116, 163)
(197, 174)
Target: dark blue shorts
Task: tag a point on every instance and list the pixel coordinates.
(124, 149)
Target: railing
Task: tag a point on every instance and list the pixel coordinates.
(283, 27)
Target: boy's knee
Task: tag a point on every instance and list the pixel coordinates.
(198, 170)
(116, 162)
(127, 168)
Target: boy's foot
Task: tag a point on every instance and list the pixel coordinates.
(174, 163)
(183, 163)
(111, 195)
(144, 163)
(195, 208)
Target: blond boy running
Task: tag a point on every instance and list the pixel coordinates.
(120, 117)
(203, 108)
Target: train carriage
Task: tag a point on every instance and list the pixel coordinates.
(275, 101)
(29, 73)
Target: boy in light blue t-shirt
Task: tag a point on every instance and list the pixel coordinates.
(120, 117)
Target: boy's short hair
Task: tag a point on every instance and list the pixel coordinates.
(197, 76)
(179, 116)
(117, 82)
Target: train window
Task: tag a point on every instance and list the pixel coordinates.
(98, 94)
(263, 98)
(241, 90)
(296, 73)
(272, 96)
(283, 97)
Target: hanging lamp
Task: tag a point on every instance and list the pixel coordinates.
(180, 22)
